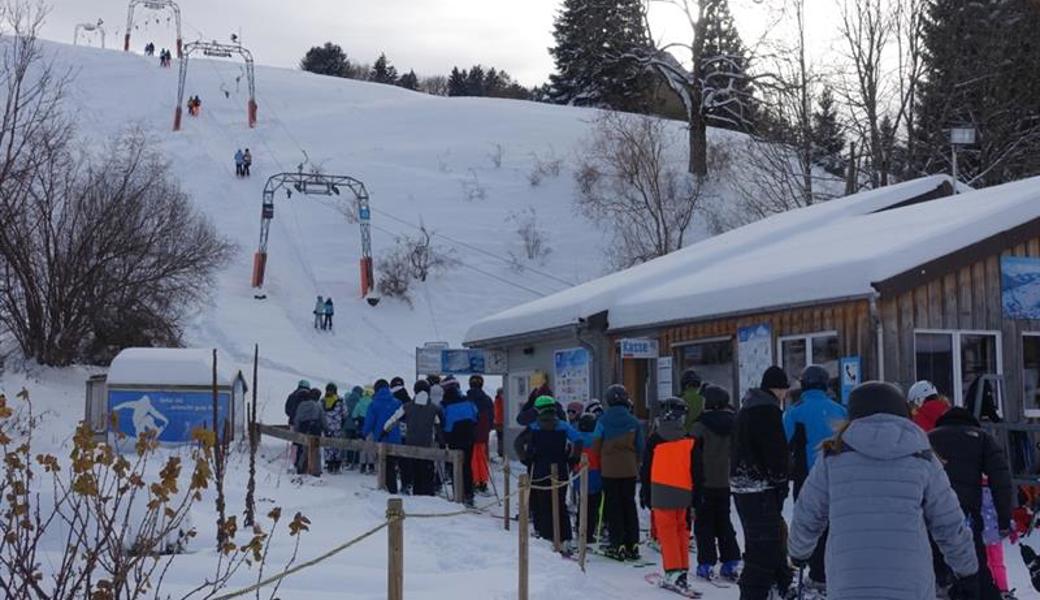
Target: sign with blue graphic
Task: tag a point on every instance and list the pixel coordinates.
(173, 414)
(851, 376)
(468, 362)
(1020, 287)
(754, 354)
(639, 348)
(571, 375)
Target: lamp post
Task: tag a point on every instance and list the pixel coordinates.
(959, 136)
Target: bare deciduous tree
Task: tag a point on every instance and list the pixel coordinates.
(629, 182)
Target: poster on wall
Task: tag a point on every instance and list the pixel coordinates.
(1020, 287)
(754, 354)
(664, 378)
(173, 415)
(850, 376)
(571, 375)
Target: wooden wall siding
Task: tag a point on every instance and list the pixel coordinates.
(966, 299)
(850, 319)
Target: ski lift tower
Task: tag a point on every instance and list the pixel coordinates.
(216, 50)
(158, 5)
(316, 184)
(90, 28)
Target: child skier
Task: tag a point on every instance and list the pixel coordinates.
(365, 459)
(587, 432)
(481, 434)
(927, 404)
(545, 443)
(668, 488)
(319, 312)
(329, 310)
(309, 419)
(350, 425)
(620, 444)
(335, 415)
(460, 422)
(713, 434)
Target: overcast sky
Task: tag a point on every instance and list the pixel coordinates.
(429, 36)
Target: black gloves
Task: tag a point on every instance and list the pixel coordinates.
(965, 588)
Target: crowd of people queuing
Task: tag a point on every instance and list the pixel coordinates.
(896, 496)
(434, 413)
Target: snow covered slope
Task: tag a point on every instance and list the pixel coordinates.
(424, 159)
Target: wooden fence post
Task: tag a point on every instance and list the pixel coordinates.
(505, 471)
(458, 475)
(381, 466)
(554, 476)
(395, 549)
(583, 511)
(523, 531)
(314, 455)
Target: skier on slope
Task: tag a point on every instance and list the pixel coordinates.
(758, 480)
(247, 162)
(881, 491)
(383, 406)
(668, 488)
(549, 441)
(327, 312)
(807, 424)
(422, 419)
(319, 313)
(240, 160)
(481, 433)
(713, 433)
(460, 421)
(970, 455)
(335, 415)
(620, 444)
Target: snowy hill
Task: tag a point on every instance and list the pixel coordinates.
(424, 159)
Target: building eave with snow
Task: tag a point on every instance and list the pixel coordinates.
(905, 282)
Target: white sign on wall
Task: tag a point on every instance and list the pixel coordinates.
(754, 354)
(664, 377)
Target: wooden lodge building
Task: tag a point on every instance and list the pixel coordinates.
(903, 283)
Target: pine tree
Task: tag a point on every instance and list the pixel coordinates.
(457, 82)
(475, 81)
(828, 136)
(328, 59)
(409, 81)
(728, 92)
(596, 45)
(383, 71)
(982, 69)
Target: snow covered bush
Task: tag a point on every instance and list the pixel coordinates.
(413, 258)
(472, 189)
(630, 183)
(534, 241)
(99, 250)
(544, 167)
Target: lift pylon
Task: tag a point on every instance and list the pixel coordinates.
(316, 184)
(216, 50)
(153, 5)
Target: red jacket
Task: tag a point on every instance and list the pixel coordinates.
(499, 411)
(929, 413)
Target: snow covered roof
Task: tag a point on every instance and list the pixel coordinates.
(830, 250)
(170, 366)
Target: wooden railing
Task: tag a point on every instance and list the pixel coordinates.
(314, 443)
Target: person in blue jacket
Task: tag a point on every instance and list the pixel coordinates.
(807, 424)
(460, 425)
(383, 406)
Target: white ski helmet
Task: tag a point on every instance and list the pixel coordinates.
(921, 391)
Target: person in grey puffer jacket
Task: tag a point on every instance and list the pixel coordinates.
(882, 491)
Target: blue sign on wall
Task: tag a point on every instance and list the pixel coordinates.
(1020, 287)
(173, 414)
(851, 376)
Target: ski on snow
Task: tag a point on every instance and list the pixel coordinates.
(657, 580)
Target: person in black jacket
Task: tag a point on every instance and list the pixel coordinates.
(398, 389)
(970, 453)
(759, 483)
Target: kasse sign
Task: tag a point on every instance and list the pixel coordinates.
(639, 348)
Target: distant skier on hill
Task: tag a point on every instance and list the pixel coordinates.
(240, 160)
(319, 313)
(247, 162)
(328, 312)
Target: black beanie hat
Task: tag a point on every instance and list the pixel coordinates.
(715, 397)
(381, 384)
(775, 379)
(877, 397)
(421, 386)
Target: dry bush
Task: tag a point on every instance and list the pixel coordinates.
(534, 241)
(544, 167)
(413, 258)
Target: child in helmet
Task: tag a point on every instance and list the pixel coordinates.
(335, 414)
(927, 404)
(713, 529)
(587, 431)
(668, 488)
(546, 442)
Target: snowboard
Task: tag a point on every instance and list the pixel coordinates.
(657, 580)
